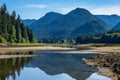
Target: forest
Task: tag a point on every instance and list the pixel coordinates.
(12, 30)
(108, 37)
(112, 37)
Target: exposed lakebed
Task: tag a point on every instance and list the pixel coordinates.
(46, 66)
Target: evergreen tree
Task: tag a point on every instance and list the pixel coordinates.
(12, 30)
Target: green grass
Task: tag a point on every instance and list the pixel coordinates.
(22, 44)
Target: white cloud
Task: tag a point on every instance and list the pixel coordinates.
(35, 6)
(65, 10)
(107, 10)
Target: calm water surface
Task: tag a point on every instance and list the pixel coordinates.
(46, 66)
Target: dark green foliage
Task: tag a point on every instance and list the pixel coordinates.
(12, 30)
(109, 37)
(58, 40)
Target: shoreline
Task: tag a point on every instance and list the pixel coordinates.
(67, 50)
(104, 71)
(32, 48)
(90, 61)
(96, 76)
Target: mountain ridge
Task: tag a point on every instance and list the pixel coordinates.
(64, 25)
(111, 20)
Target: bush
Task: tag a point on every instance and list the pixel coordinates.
(3, 40)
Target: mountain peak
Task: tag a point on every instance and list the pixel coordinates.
(80, 11)
(52, 13)
(114, 15)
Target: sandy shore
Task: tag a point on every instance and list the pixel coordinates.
(101, 50)
(19, 49)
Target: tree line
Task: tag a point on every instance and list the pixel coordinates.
(12, 30)
(108, 37)
(112, 37)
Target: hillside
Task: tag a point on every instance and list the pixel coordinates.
(111, 20)
(45, 20)
(12, 30)
(28, 22)
(64, 25)
(116, 27)
(90, 28)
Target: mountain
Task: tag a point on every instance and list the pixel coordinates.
(39, 26)
(111, 20)
(28, 21)
(42, 22)
(64, 25)
(116, 27)
(90, 28)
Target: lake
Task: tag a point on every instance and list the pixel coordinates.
(46, 66)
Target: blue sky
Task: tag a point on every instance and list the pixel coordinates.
(34, 9)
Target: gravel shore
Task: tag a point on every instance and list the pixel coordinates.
(105, 68)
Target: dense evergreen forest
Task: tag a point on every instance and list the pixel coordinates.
(109, 37)
(112, 37)
(12, 30)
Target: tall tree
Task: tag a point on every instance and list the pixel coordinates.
(12, 30)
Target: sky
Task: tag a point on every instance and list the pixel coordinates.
(34, 9)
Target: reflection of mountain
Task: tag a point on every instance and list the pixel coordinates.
(37, 74)
(71, 64)
(8, 67)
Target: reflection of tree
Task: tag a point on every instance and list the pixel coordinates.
(12, 65)
(19, 53)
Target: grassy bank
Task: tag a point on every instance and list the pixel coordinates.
(21, 44)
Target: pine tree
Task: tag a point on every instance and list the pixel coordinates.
(12, 30)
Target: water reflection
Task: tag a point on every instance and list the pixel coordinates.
(19, 53)
(11, 66)
(46, 66)
(71, 64)
(38, 74)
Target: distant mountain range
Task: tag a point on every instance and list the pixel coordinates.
(111, 20)
(117, 27)
(45, 20)
(77, 22)
(28, 21)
